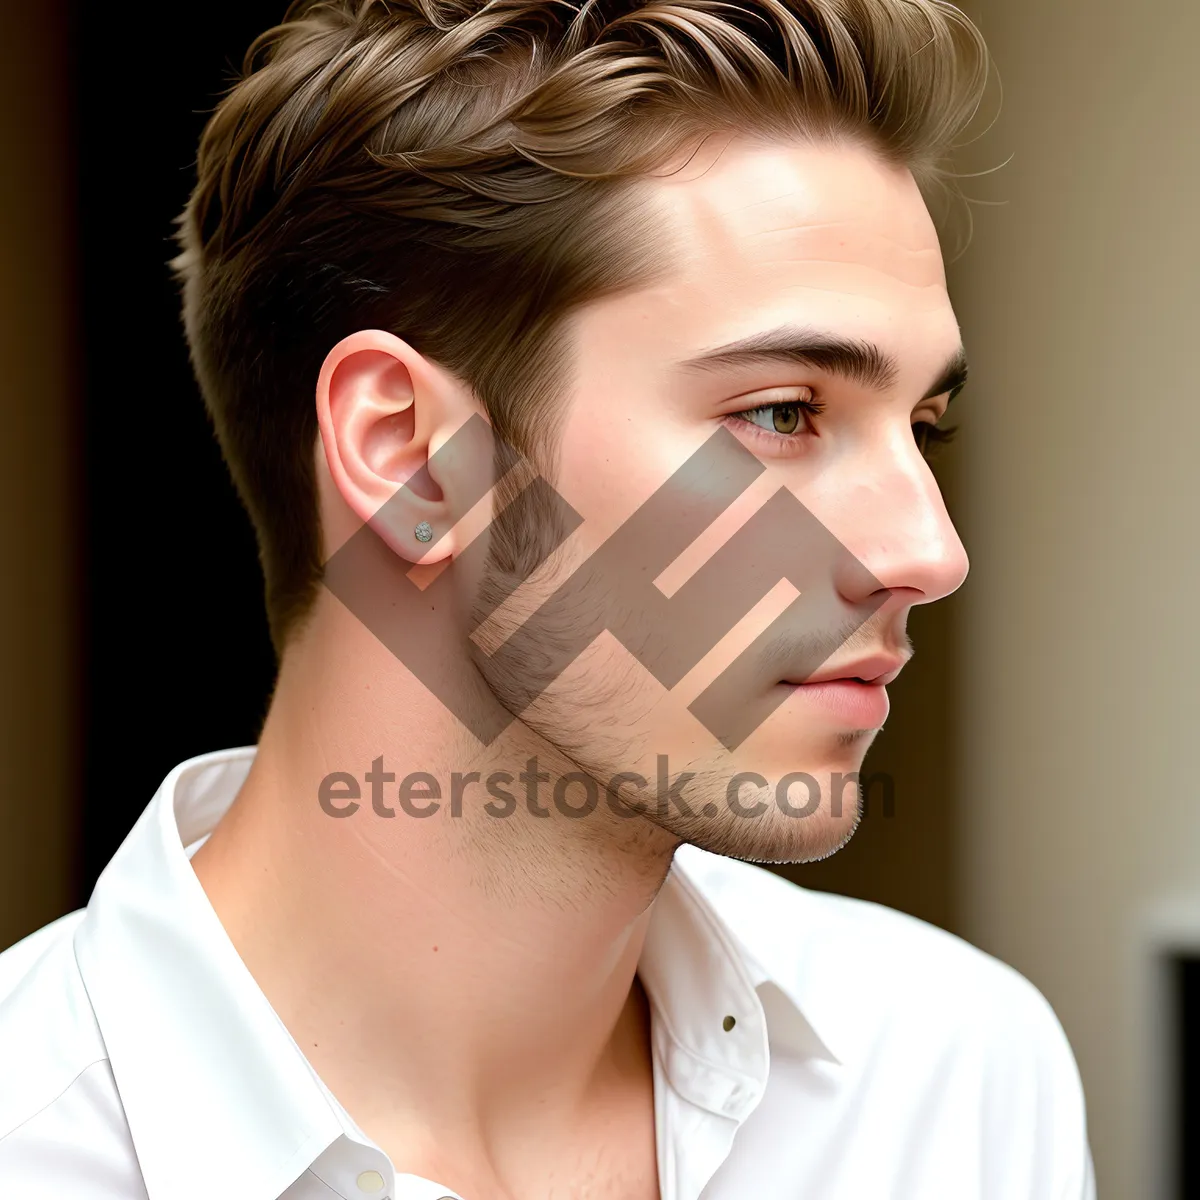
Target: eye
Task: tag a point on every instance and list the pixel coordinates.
(931, 439)
(781, 418)
(786, 417)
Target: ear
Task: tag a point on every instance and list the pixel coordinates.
(381, 407)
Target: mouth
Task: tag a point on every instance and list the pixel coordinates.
(852, 703)
(854, 694)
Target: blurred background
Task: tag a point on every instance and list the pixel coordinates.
(1039, 752)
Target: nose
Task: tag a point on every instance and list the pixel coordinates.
(892, 518)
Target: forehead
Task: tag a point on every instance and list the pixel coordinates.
(765, 234)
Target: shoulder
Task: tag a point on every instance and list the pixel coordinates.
(927, 1020)
(47, 1031)
(60, 1114)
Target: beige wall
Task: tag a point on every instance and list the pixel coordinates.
(38, 465)
(1080, 302)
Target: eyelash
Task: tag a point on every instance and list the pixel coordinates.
(930, 438)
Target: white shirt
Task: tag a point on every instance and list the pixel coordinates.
(871, 1055)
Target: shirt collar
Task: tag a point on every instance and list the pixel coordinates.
(209, 1075)
(202, 1063)
(722, 950)
(773, 926)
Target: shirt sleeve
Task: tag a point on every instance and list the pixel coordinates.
(1035, 1116)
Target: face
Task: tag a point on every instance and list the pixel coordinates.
(804, 343)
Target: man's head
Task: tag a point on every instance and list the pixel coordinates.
(562, 216)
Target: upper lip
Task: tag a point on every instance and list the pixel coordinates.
(875, 668)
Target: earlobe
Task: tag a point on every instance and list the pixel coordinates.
(380, 406)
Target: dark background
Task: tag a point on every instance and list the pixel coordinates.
(177, 658)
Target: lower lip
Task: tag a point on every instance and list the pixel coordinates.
(856, 705)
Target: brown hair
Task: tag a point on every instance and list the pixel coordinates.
(458, 173)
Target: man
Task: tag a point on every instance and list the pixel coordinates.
(576, 365)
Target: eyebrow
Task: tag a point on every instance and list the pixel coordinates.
(859, 361)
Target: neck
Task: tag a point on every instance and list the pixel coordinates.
(451, 971)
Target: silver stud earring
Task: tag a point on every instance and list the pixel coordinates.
(424, 532)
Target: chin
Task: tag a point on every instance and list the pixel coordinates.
(800, 815)
(776, 838)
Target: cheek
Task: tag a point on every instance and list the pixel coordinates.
(613, 456)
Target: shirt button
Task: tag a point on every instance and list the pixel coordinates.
(370, 1181)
